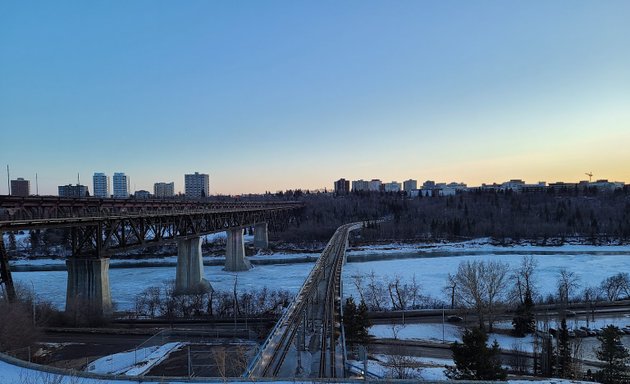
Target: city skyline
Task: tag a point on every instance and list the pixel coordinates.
(281, 95)
(163, 189)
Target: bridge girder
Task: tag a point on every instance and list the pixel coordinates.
(110, 235)
(155, 223)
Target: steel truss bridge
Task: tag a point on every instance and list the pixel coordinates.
(101, 227)
(314, 318)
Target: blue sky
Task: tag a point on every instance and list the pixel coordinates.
(284, 94)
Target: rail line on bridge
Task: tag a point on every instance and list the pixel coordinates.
(316, 307)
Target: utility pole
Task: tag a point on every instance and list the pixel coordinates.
(8, 181)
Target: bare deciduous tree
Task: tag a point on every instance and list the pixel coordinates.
(403, 295)
(524, 280)
(358, 281)
(400, 366)
(591, 295)
(518, 359)
(482, 286)
(376, 293)
(16, 326)
(616, 285)
(568, 282)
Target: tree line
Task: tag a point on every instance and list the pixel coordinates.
(546, 217)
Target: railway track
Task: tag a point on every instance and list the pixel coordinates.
(321, 294)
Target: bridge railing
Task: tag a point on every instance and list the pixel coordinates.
(307, 286)
(305, 290)
(33, 208)
(9, 220)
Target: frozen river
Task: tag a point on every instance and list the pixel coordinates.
(590, 264)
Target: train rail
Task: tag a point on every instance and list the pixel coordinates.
(321, 294)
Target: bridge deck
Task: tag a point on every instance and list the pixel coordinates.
(317, 302)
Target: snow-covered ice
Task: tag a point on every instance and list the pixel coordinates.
(590, 263)
(432, 272)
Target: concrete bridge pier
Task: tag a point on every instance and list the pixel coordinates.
(261, 238)
(88, 286)
(235, 252)
(189, 276)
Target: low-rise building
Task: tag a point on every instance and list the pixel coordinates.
(605, 185)
(70, 190)
(561, 186)
(142, 194)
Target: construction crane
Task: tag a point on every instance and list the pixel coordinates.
(590, 176)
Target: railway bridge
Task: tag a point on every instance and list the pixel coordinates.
(100, 228)
(308, 340)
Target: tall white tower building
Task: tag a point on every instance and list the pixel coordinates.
(100, 185)
(121, 186)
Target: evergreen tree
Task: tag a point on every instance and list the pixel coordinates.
(356, 322)
(349, 316)
(524, 322)
(474, 360)
(565, 368)
(35, 238)
(363, 323)
(614, 355)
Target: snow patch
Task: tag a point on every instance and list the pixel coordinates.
(133, 363)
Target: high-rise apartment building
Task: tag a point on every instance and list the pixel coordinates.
(394, 186)
(197, 185)
(20, 187)
(73, 190)
(360, 185)
(121, 186)
(100, 185)
(162, 190)
(410, 185)
(375, 185)
(342, 186)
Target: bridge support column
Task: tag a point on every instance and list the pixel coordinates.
(189, 277)
(261, 239)
(88, 286)
(235, 252)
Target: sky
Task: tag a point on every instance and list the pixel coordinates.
(271, 95)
